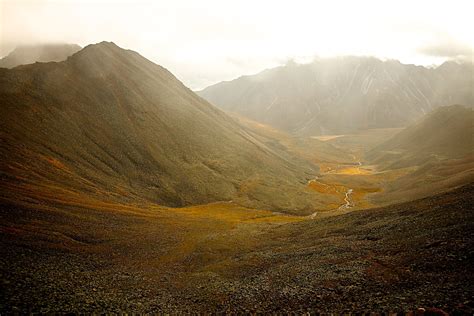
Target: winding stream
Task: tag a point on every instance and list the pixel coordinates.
(347, 198)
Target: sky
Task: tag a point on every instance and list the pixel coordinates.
(207, 41)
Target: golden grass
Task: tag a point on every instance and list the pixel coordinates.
(212, 230)
(327, 167)
(353, 171)
(325, 138)
(219, 211)
(55, 195)
(232, 213)
(56, 163)
(337, 179)
(323, 187)
(359, 197)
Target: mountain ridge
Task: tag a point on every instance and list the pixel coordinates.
(445, 133)
(342, 95)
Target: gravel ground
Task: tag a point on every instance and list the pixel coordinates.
(401, 258)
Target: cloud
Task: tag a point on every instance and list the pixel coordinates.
(448, 48)
(207, 41)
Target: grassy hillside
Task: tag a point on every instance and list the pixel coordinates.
(443, 134)
(431, 156)
(311, 149)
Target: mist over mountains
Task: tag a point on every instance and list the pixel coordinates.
(341, 95)
(29, 54)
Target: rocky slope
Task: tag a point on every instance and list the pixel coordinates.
(401, 258)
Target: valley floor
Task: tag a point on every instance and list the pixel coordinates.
(222, 257)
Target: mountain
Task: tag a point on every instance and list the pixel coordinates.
(342, 95)
(30, 54)
(438, 152)
(109, 124)
(446, 133)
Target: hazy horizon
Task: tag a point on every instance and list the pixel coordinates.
(211, 42)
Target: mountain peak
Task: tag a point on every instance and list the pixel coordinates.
(103, 46)
(107, 57)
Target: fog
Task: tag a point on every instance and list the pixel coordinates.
(207, 41)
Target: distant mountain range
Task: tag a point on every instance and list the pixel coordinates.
(109, 122)
(30, 54)
(341, 95)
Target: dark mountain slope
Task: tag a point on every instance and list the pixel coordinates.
(109, 123)
(30, 54)
(342, 95)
